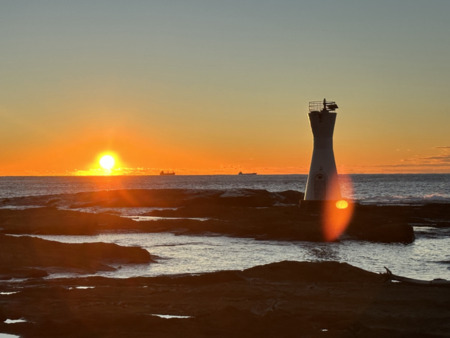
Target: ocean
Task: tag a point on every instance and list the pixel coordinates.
(369, 189)
(427, 258)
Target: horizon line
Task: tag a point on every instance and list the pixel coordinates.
(275, 174)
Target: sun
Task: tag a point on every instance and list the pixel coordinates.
(107, 162)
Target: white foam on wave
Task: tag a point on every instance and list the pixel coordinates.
(157, 218)
(121, 211)
(405, 199)
(170, 316)
(81, 287)
(20, 207)
(437, 197)
(15, 321)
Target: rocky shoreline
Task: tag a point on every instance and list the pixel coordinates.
(243, 213)
(286, 299)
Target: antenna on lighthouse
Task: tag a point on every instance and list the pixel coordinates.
(322, 179)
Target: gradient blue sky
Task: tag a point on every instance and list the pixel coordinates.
(209, 86)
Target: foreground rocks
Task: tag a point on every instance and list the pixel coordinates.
(245, 213)
(286, 299)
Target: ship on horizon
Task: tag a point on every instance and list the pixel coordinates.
(168, 173)
(247, 174)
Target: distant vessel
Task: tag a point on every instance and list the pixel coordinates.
(169, 173)
(241, 173)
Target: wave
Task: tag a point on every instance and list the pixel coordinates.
(369, 189)
(437, 197)
(405, 199)
(206, 244)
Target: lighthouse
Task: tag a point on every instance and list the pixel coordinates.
(322, 182)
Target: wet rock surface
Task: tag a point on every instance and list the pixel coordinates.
(28, 257)
(286, 299)
(241, 212)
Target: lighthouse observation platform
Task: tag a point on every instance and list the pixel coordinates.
(321, 106)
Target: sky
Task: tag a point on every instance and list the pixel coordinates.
(218, 87)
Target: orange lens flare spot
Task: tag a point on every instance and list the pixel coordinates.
(337, 215)
(342, 204)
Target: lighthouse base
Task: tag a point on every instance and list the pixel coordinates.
(312, 206)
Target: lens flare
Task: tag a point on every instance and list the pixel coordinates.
(337, 214)
(342, 204)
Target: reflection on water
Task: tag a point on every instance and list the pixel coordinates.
(425, 259)
(171, 316)
(323, 252)
(7, 335)
(14, 321)
(80, 287)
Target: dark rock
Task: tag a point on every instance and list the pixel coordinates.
(237, 212)
(19, 254)
(312, 272)
(50, 220)
(286, 299)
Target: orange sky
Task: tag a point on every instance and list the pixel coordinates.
(218, 88)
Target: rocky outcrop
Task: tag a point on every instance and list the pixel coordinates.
(237, 212)
(33, 257)
(53, 221)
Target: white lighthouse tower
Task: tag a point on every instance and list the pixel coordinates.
(322, 182)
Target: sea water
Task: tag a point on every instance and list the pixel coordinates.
(372, 189)
(179, 254)
(427, 258)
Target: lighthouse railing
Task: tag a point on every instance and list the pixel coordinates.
(315, 106)
(319, 105)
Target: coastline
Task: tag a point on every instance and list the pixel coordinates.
(238, 213)
(314, 299)
(285, 299)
